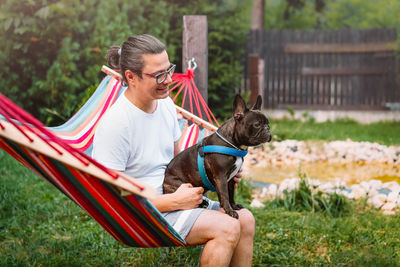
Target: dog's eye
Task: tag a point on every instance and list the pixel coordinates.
(257, 125)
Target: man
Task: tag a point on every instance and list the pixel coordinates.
(139, 136)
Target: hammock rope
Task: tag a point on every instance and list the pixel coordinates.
(185, 83)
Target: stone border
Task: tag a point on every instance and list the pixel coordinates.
(384, 196)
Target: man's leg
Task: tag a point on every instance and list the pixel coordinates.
(243, 254)
(227, 240)
(219, 232)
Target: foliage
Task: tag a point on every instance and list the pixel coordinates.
(305, 198)
(362, 14)
(301, 17)
(331, 14)
(51, 51)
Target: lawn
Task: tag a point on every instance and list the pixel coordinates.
(40, 226)
(385, 133)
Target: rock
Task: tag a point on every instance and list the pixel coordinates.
(375, 184)
(264, 192)
(365, 185)
(358, 192)
(289, 184)
(388, 206)
(339, 183)
(272, 190)
(378, 201)
(389, 212)
(326, 187)
(349, 195)
(392, 186)
(255, 203)
(393, 197)
(372, 192)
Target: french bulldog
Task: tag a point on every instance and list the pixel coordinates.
(247, 127)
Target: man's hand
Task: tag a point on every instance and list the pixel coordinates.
(237, 177)
(188, 197)
(185, 197)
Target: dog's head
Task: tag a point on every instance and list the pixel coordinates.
(251, 125)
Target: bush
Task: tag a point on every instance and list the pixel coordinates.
(304, 199)
(52, 51)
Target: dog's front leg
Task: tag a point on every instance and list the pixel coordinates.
(221, 186)
(231, 191)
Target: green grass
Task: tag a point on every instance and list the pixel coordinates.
(363, 238)
(385, 133)
(40, 226)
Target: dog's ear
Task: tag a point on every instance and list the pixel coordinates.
(257, 105)
(239, 107)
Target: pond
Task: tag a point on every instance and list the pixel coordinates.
(351, 172)
(352, 162)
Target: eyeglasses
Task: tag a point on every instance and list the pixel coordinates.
(160, 77)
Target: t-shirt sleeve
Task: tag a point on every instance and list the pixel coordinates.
(110, 144)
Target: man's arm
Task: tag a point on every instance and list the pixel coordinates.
(185, 197)
(177, 148)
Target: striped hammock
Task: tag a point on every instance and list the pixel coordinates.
(60, 155)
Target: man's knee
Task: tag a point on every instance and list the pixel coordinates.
(247, 222)
(230, 231)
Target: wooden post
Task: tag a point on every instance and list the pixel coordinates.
(256, 65)
(261, 80)
(195, 45)
(254, 78)
(257, 15)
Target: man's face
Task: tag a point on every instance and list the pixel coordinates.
(154, 64)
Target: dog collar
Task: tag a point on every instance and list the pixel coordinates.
(225, 140)
(214, 149)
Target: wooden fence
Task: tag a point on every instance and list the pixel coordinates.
(325, 69)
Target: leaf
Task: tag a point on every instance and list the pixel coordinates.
(7, 24)
(17, 46)
(43, 13)
(20, 30)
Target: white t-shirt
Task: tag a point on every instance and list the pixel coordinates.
(139, 144)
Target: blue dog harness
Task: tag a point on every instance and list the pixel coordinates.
(236, 152)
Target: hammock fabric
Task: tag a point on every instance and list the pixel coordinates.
(60, 156)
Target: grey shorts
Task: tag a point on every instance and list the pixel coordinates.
(183, 220)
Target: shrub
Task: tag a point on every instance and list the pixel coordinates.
(304, 199)
(52, 51)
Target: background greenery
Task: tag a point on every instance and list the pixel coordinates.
(51, 51)
(331, 14)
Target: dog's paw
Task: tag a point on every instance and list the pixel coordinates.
(233, 214)
(236, 206)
